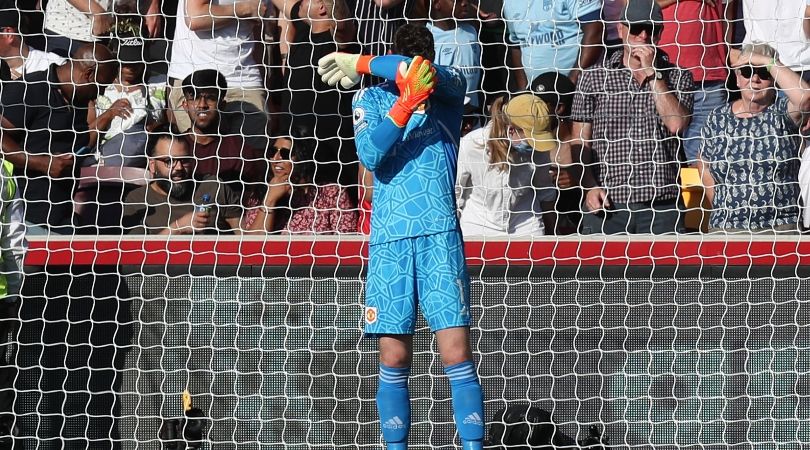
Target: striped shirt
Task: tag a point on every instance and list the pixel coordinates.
(376, 28)
(635, 155)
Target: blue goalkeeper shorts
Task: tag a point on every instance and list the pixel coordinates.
(429, 271)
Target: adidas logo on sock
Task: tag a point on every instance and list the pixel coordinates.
(473, 419)
(394, 423)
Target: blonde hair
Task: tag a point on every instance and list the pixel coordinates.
(498, 142)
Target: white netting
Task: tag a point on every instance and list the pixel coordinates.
(196, 219)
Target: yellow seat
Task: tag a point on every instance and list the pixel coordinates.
(697, 208)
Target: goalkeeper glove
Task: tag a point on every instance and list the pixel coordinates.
(343, 68)
(415, 82)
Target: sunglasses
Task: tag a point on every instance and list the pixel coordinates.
(637, 28)
(749, 71)
(283, 151)
(170, 162)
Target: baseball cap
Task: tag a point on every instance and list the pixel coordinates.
(9, 18)
(642, 11)
(530, 113)
(554, 88)
(205, 80)
(130, 50)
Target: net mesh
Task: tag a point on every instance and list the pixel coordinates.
(689, 340)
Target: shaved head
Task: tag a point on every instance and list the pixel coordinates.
(90, 69)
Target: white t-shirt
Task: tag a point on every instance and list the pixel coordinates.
(148, 101)
(228, 49)
(36, 61)
(779, 23)
(501, 203)
(64, 19)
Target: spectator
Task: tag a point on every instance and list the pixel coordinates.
(365, 194)
(557, 91)
(750, 153)
(504, 181)
(694, 38)
(378, 21)
(70, 24)
(563, 35)
(627, 114)
(611, 15)
(44, 122)
(457, 45)
(319, 30)
(219, 35)
(784, 24)
(20, 58)
(127, 110)
(175, 202)
(226, 157)
(298, 201)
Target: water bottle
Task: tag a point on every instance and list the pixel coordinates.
(205, 203)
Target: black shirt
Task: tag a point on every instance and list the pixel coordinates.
(45, 124)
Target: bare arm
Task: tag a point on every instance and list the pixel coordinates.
(806, 22)
(673, 113)
(344, 25)
(707, 180)
(203, 15)
(102, 19)
(14, 153)
(590, 48)
(581, 155)
(731, 14)
(516, 72)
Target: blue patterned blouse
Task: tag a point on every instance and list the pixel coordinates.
(755, 165)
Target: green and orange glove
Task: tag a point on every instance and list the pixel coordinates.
(415, 83)
(344, 68)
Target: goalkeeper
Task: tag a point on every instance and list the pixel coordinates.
(407, 132)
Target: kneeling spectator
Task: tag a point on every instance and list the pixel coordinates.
(299, 200)
(174, 202)
(504, 170)
(750, 153)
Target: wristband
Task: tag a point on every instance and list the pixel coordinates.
(771, 64)
(400, 114)
(363, 65)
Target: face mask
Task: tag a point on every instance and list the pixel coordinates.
(522, 147)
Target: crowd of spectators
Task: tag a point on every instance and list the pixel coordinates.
(581, 116)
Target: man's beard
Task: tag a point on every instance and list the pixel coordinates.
(177, 190)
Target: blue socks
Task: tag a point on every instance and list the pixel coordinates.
(394, 406)
(468, 404)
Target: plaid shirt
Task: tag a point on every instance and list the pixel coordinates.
(636, 157)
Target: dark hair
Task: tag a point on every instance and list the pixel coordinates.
(414, 40)
(163, 132)
(303, 153)
(205, 80)
(555, 89)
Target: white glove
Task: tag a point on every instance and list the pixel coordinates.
(340, 68)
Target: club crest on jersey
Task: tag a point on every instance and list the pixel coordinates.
(359, 115)
(371, 314)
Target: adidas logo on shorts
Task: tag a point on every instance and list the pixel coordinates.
(394, 423)
(473, 419)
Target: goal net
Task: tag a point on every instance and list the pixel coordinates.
(231, 317)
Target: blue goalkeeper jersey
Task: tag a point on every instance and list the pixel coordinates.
(414, 179)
